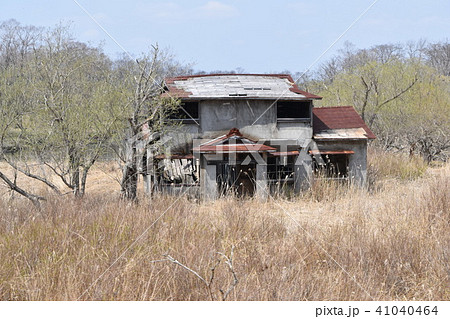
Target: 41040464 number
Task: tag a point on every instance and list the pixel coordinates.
(407, 310)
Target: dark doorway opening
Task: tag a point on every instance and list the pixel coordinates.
(236, 179)
(331, 165)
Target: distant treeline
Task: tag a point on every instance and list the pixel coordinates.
(401, 90)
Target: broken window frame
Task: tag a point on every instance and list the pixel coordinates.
(184, 114)
(304, 115)
(280, 168)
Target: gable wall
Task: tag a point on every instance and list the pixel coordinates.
(217, 117)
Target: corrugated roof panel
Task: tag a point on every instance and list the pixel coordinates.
(345, 134)
(253, 85)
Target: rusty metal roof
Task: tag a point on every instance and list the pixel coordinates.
(235, 148)
(232, 86)
(331, 152)
(288, 153)
(233, 142)
(339, 122)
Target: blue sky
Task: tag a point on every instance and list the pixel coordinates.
(258, 36)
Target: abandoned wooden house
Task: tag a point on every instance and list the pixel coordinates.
(254, 134)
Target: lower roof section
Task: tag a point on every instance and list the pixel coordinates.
(330, 152)
(339, 121)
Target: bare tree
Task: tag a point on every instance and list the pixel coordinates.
(438, 55)
(17, 42)
(146, 112)
(64, 103)
(58, 105)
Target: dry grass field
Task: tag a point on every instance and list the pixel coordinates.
(334, 242)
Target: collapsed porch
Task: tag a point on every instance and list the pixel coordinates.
(228, 164)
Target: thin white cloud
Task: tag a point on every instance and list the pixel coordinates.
(302, 8)
(163, 10)
(215, 9)
(171, 11)
(92, 34)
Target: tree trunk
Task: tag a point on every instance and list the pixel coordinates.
(130, 171)
(83, 181)
(74, 164)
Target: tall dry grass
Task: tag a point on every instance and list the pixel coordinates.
(389, 244)
(383, 165)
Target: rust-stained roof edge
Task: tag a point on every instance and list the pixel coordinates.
(185, 94)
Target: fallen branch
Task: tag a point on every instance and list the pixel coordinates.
(229, 263)
(208, 283)
(35, 199)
